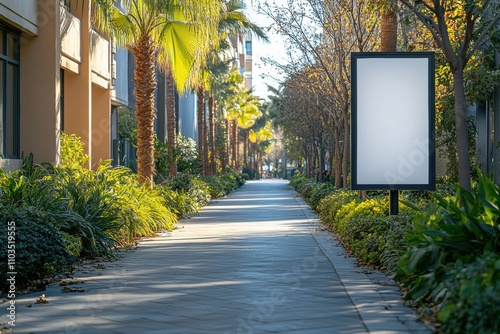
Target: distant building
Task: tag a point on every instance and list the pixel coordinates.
(248, 62)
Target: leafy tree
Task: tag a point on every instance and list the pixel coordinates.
(321, 36)
(459, 28)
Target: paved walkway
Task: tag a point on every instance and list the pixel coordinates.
(255, 262)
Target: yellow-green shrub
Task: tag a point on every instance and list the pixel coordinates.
(329, 206)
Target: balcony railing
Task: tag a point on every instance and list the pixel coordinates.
(71, 53)
(100, 60)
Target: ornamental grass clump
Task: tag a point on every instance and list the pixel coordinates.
(118, 208)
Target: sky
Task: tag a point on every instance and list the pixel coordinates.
(274, 50)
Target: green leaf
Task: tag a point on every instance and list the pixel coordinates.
(446, 311)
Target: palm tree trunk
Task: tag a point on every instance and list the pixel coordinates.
(211, 121)
(259, 161)
(202, 131)
(245, 149)
(389, 27)
(145, 87)
(171, 124)
(237, 164)
(256, 161)
(234, 143)
(206, 142)
(225, 149)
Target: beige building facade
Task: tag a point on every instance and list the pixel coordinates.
(55, 75)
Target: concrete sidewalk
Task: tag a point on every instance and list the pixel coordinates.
(255, 262)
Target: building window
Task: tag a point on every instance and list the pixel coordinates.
(248, 47)
(9, 94)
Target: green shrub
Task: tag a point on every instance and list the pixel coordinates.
(444, 188)
(115, 208)
(188, 160)
(312, 192)
(40, 252)
(329, 206)
(222, 184)
(72, 152)
(376, 240)
(470, 296)
(393, 239)
(33, 186)
(180, 203)
(359, 225)
(236, 179)
(185, 194)
(454, 228)
(118, 208)
(185, 154)
(307, 189)
(146, 212)
(91, 198)
(215, 186)
(365, 228)
(299, 182)
(318, 192)
(371, 208)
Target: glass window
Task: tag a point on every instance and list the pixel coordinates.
(11, 113)
(9, 94)
(248, 47)
(13, 46)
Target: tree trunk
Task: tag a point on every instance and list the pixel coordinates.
(202, 136)
(259, 160)
(337, 160)
(256, 161)
(171, 123)
(245, 149)
(345, 148)
(389, 27)
(461, 130)
(145, 87)
(206, 147)
(211, 119)
(320, 163)
(225, 152)
(309, 163)
(237, 162)
(234, 143)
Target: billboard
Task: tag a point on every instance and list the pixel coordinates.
(392, 121)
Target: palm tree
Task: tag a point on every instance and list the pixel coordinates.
(210, 74)
(389, 25)
(233, 22)
(243, 117)
(169, 34)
